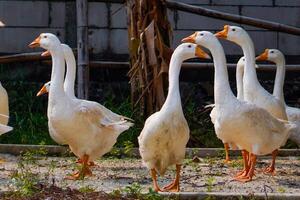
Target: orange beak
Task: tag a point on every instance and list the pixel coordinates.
(42, 91)
(46, 53)
(191, 38)
(35, 43)
(2, 24)
(201, 54)
(263, 56)
(223, 33)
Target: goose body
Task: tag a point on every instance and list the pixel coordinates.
(165, 134)
(87, 127)
(242, 123)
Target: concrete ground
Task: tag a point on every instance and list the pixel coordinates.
(198, 175)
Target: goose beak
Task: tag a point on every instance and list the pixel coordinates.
(191, 38)
(35, 43)
(46, 53)
(263, 56)
(223, 33)
(2, 24)
(201, 54)
(42, 91)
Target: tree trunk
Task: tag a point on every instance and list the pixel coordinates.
(149, 33)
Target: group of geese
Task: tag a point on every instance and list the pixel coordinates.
(255, 122)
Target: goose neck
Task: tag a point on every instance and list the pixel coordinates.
(70, 75)
(249, 53)
(57, 75)
(173, 98)
(279, 80)
(222, 91)
(239, 82)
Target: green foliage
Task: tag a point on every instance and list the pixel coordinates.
(27, 115)
(86, 189)
(25, 179)
(135, 191)
(209, 183)
(201, 129)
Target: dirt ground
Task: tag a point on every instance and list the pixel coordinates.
(203, 174)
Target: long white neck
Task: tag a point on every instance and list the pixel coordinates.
(250, 77)
(71, 72)
(173, 98)
(222, 90)
(279, 79)
(239, 82)
(57, 76)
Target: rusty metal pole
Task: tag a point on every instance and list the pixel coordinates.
(82, 49)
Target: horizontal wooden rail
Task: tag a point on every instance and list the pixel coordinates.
(36, 56)
(273, 26)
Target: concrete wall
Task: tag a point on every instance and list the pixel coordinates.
(108, 33)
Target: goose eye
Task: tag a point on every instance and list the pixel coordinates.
(271, 51)
(201, 34)
(189, 46)
(45, 36)
(233, 29)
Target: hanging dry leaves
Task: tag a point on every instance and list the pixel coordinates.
(149, 33)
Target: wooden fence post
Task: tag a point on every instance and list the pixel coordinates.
(82, 49)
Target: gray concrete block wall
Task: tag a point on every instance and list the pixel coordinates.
(108, 29)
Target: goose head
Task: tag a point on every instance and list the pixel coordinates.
(234, 34)
(273, 55)
(203, 38)
(45, 89)
(241, 63)
(189, 50)
(46, 41)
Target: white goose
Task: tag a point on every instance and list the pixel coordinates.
(253, 91)
(68, 86)
(244, 124)
(164, 137)
(89, 128)
(275, 56)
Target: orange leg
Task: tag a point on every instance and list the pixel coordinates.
(85, 170)
(247, 164)
(174, 185)
(226, 147)
(2, 160)
(250, 174)
(155, 185)
(91, 163)
(271, 168)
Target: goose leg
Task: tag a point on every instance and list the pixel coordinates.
(226, 147)
(247, 164)
(174, 186)
(85, 170)
(250, 174)
(91, 163)
(2, 160)
(155, 185)
(271, 168)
